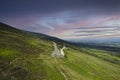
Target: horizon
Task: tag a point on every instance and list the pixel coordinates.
(66, 19)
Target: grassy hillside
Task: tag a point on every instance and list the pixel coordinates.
(27, 56)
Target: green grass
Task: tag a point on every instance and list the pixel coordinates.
(89, 67)
(24, 56)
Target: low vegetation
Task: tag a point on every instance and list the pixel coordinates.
(27, 56)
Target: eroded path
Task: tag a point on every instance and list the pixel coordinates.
(56, 51)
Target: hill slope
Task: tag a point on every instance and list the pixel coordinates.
(27, 56)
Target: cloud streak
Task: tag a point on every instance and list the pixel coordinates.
(64, 18)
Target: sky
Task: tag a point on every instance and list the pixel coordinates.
(66, 19)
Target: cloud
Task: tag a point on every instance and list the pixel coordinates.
(47, 26)
(64, 18)
(94, 30)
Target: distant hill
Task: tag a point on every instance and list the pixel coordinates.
(26, 55)
(111, 47)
